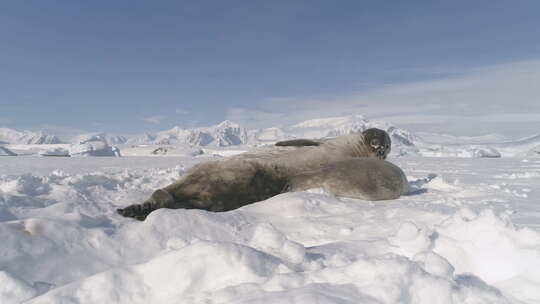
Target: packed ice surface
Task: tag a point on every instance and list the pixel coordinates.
(469, 232)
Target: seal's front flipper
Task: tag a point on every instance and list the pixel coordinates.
(298, 143)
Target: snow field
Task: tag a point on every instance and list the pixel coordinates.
(466, 234)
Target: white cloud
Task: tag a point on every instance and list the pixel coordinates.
(494, 98)
(252, 117)
(181, 111)
(155, 119)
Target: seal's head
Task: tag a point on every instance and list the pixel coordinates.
(378, 141)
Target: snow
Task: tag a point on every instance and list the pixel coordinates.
(469, 232)
(436, 138)
(90, 137)
(224, 134)
(178, 141)
(267, 135)
(470, 151)
(54, 151)
(160, 150)
(6, 152)
(93, 148)
(14, 290)
(12, 136)
(93, 144)
(117, 140)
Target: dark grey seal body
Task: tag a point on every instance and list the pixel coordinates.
(363, 178)
(254, 176)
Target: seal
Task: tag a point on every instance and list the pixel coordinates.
(362, 178)
(258, 175)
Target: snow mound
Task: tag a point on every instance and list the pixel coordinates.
(6, 152)
(488, 152)
(470, 247)
(459, 151)
(161, 150)
(13, 290)
(95, 148)
(93, 144)
(54, 151)
(535, 151)
(518, 148)
(436, 138)
(524, 175)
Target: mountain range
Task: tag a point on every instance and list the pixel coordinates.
(11, 136)
(228, 133)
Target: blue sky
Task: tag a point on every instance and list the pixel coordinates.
(134, 66)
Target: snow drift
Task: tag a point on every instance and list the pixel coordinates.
(459, 238)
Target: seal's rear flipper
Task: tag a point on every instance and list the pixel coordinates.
(298, 143)
(134, 211)
(159, 199)
(415, 187)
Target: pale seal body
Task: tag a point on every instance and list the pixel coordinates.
(362, 178)
(297, 156)
(254, 176)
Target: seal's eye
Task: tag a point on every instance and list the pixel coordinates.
(375, 143)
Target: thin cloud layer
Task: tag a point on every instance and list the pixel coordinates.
(155, 119)
(502, 98)
(182, 111)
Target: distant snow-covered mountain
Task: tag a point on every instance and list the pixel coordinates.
(88, 137)
(403, 141)
(117, 140)
(329, 127)
(224, 134)
(11, 136)
(227, 133)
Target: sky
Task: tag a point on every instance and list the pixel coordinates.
(125, 67)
